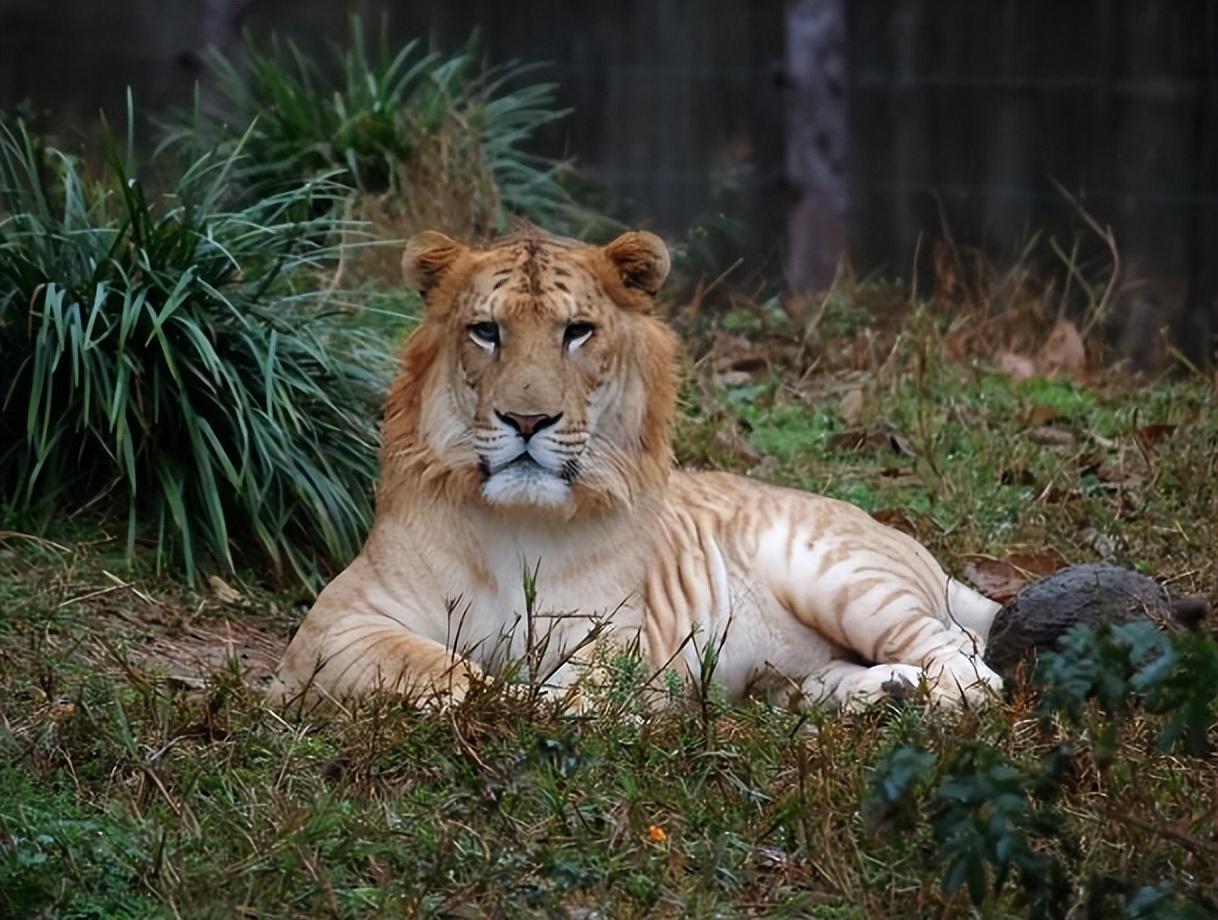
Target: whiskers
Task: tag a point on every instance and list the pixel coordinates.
(610, 471)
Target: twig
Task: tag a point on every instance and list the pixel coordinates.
(1105, 234)
(1188, 841)
(17, 535)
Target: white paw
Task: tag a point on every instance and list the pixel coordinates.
(963, 679)
(881, 682)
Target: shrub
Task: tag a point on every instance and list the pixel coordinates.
(1128, 665)
(172, 351)
(995, 820)
(441, 137)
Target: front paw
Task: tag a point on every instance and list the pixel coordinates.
(963, 680)
(883, 683)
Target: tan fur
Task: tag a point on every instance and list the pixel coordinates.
(790, 590)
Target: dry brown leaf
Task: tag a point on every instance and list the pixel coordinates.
(1063, 354)
(1048, 436)
(899, 444)
(1105, 545)
(1017, 366)
(858, 439)
(1037, 564)
(1001, 579)
(736, 353)
(223, 592)
(1128, 471)
(851, 406)
(1055, 495)
(1040, 414)
(1150, 435)
(733, 378)
(899, 519)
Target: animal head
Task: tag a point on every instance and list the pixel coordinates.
(539, 378)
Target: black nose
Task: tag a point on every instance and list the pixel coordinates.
(528, 425)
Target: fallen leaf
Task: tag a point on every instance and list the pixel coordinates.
(1017, 366)
(733, 378)
(851, 406)
(859, 439)
(223, 592)
(898, 519)
(899, 444)
(1018, 477)
(1088, 462)
(1001, 579)
(1150, 435)
(1126, 471)
(1063, 354)
(736, 353)
(1055, 495)
(1103, 544)
(773, 858)
(1039, 414)
(994, 578)
(1048, 436)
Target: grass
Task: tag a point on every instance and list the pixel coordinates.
(178, 356)
(135, 782)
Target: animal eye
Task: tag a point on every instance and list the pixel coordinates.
(484, 334)
(576, 334)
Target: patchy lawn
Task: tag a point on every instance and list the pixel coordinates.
(141, 774)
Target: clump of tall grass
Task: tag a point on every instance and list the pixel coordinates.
(440, 138)
(171, 352)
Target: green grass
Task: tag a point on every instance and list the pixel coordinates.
(958, 450)
(129, 787)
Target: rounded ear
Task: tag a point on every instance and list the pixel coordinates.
(427, 257)
(641, 259)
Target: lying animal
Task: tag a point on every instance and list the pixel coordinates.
(529, 429)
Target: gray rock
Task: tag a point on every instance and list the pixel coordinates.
(1091, 595)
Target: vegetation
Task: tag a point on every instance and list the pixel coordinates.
(177, 369)
(433, 141)
(175, 354)
(142, 780)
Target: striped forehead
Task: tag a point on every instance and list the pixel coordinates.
(531, 277)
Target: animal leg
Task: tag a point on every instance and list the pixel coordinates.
(878, 594)
(357, 639)
(372, 653)
(949, 656)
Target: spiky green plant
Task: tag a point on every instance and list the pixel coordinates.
(384, 122)
(170, 352)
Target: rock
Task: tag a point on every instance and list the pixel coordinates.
(1081, 595)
